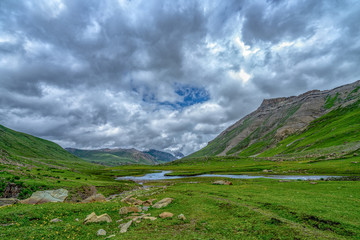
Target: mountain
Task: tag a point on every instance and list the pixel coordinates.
(119, 156)
(288, 125)
(20, 149)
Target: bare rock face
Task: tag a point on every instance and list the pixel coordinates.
(92, 218)
(11, 190)
(277, 118)
(95, 198)
(38, 197)
(163, 203)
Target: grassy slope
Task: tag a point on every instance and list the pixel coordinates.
(324, 135)
(108, 158)
(37, 164)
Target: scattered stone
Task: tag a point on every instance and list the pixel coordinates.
(76, 219)
(284, 181)
(148, 202)
(93, 218)
(95, 198)
(166, 215)
(163, 203)
(120, 220)
(38, 197)
(55, 220)
(8, 201)
(267, 170)
(150, 218)
(101, 232)
(145, 208)
(124, 227)
(355, 162)
(181, 217)
(126, 210)
(125, 199)
(222, 182)
(355, 154)
(313, 183)
(134, 201)
(111, 236)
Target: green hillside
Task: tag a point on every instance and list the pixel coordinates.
(336, 132)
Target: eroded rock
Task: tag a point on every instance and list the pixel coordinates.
(93, 218)
(163, 203)
(38, 197)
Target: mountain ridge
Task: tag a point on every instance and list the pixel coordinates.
(121, 156)
(276, 119)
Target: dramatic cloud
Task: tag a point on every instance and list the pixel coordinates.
(168, 75)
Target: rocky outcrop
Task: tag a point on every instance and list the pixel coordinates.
(11, 190)
(38, 197)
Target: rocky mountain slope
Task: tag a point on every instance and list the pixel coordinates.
(278, 118)
(119, 156)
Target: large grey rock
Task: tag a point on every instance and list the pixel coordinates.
(38, 197)
(163, 203)
(8, 201)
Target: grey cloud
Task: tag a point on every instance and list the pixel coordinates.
(93, 74)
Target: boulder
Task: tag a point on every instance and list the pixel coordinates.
(38, 197)
(166, 215)
(124, 227)
(222, 182)
(93, 218)
(95, 198)
(181, 217)
(8, 201)
(163, 203)
(101, 232)
(126, 210)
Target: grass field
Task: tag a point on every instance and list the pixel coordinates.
(248, 209)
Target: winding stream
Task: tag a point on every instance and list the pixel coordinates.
(161, 176)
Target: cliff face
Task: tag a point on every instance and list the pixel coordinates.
(276, 119)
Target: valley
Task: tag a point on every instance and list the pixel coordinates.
(326, 144)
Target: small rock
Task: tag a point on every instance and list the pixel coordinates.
(148, 202)
(76, 219)
(125, 199)
(145, 208)
(222, 182)
(181, 217)
(150, 218)
(355, 154)
(101, 232)
(124, 227)
(163, 203)
(120, 220)
(284, 181)
(111, 236)
(93, 218)
(355, 162)
(55, 220)
(126, 210)
(313, 183)
(166, 215)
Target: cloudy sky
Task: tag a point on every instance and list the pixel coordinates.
(168, 75)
